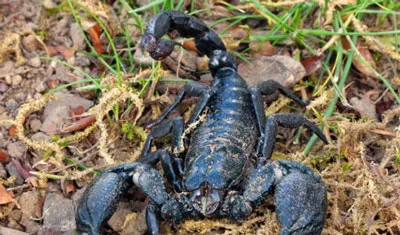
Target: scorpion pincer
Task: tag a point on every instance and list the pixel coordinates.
(226, 170)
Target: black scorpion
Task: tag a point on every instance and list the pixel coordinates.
(226, 170)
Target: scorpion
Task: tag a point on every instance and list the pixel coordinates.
(226, 170)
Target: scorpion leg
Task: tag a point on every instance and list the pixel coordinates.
(173, 126)
(100, 199)
(191, 88)
(270, 87)
(285, 120)
(170, 163)
(167, 162)
(258, 105)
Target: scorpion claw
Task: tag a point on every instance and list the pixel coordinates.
(301, 201)
(99, 201)
(158, 50)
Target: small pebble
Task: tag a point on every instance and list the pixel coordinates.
(3, 86)
(11, 104)
(35, 62)
(40, 86)
(117, 220)
(12, 171)
(49, 4)
(60, 215)
(31, 227)
(12, 224)
(35, 125)
(28, 202)
(16, 80)
(20, 97)
(77, 37)
(30, 43)
(16, 215)
(41, 137)
(71, 60)
(82, 60)
(8, 79)
(3, 172)
(16, 149)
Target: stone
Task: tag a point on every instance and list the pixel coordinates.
(12, 229)
(28, 202)
(282, 69)
(49, 4)
(3, 86)
(137, 226)
(3, 172)
(82, 60)
(40, 86)
(16, 215)
(58, 215)
(53, 122)
(77, 38)
(16, 80)
(56, 113)
(365, 107)
(12, 171)
(31, 226)
(30, 43)
(41, 137)
(35, 62)
(118, 218)
(3, 141)
(35, 125)
(17, 149)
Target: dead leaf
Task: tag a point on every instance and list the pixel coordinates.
(364, 107)
(52, 50)
(263, 48)
(236, 36)
(33, 181)
(367, 65)
(282, 69)
(68, 53)
(13, 130)
(75, 113)
(364, 61)
(69, 187)
(94, 33)
(3, 157)
(80, 124)
(6, 197)
(312, 64)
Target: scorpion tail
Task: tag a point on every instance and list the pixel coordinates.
(206, 40)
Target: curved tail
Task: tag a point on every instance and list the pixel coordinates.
(206, 40)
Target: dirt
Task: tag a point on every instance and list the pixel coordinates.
(360, 166)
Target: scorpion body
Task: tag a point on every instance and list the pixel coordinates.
(228, 130)
(226, 169)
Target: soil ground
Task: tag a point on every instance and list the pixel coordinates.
(52, 146)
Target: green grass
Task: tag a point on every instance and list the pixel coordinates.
(284, 24)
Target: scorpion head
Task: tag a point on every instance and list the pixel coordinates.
(206, 200)
(221, 59)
